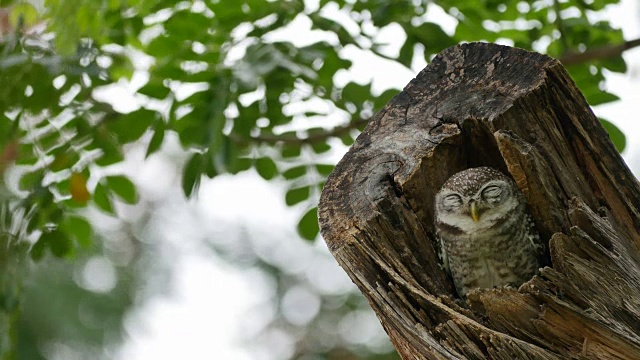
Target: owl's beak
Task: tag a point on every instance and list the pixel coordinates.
(474, 212)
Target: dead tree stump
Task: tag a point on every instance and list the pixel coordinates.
(520, 112)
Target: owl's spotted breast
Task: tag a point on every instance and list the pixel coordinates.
(486, 236)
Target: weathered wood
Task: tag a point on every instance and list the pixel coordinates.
(485, 104)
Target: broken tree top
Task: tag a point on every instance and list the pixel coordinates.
(519, 112)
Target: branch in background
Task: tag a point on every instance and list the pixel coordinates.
(599, 53)
(569, 59)
(337, 131)
(294, 140)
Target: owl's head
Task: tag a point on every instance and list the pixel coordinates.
(476, 198)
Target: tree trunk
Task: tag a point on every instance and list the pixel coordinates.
(520, 112)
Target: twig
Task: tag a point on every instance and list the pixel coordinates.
(294, 140)
(605, 52)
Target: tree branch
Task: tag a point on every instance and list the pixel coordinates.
(605, 52)
(294, 140)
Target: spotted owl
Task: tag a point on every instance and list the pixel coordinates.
(487, 238)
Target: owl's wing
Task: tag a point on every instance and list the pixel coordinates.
(534, 236)
(442, 254)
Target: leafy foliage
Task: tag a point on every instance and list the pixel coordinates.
(239, 83)
(238, 94)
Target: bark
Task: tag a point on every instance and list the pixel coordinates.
(520, 112)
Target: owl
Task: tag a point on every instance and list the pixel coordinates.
(486, 236)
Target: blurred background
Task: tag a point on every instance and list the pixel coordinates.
(162, 161)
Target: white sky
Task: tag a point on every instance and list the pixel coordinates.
(208, 300)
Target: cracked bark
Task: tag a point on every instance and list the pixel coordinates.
(520, 112)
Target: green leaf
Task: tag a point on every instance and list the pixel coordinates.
(122, 67)
(192, 174)
(266, 168)
(22, 14)
(155, 90)
(357, 93)
(79, 228)
(230, 13)
(320, 147)
(156, 139)
(325, 24)
(211, 167)
(102, 199)
(381, 100)
(308, 225)
(432, 37)
(406, 52)
(124, 188)
(25, 154)
(617, 136)
(34, 222)
(233, 156)
(472, 30)
(331, 64)
(130, 127)
(192, 130)
(38, 249)
(163, 46)
(110, 156)
(60, 243)
(30, 180)
(188, 25)
(347, 139)
(240, 164)
(63, 160)
(290, 150)
(298, 195)
(246, 120)
(57, 241)
(616, 64)
(600, 97)
(295, 172)
(324, 169)
(217, 119)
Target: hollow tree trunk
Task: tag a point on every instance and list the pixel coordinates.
(520, 112)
